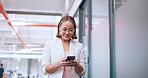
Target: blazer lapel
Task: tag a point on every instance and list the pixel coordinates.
(72, 47)
(60, 46)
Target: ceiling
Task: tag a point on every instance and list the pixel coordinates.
(26, 17)
(25, 25)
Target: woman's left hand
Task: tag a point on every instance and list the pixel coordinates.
(74, 63)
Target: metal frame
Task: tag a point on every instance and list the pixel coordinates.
(89, 11)
(82, 23)
(112, 39)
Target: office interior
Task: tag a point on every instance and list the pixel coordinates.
(113, 31)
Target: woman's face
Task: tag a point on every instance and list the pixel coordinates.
(67, 30)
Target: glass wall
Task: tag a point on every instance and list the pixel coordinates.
(94, 34)
(131, 28)
(100, 39)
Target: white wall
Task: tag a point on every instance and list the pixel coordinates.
(131, 28)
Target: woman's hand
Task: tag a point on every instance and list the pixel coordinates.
(66, 63)
(74, 63)
(77, 66)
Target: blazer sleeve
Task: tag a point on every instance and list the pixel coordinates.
(82, 58)
(46, 55)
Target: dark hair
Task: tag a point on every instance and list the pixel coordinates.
(1, 64)
(64, 19)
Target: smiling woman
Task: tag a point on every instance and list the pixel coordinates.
(67, 23)
(56, 51)
(66, 30)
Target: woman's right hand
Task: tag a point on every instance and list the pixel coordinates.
(66, 63)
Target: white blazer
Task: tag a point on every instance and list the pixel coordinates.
(53, 52)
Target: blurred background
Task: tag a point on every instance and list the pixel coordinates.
(113, 31)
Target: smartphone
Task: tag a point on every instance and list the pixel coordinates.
(70, 58)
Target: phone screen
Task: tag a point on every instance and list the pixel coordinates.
(70, 58)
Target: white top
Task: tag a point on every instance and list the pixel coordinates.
(66, 53)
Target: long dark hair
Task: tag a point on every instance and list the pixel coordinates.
(64, 19)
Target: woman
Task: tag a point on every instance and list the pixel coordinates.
(55, 52)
